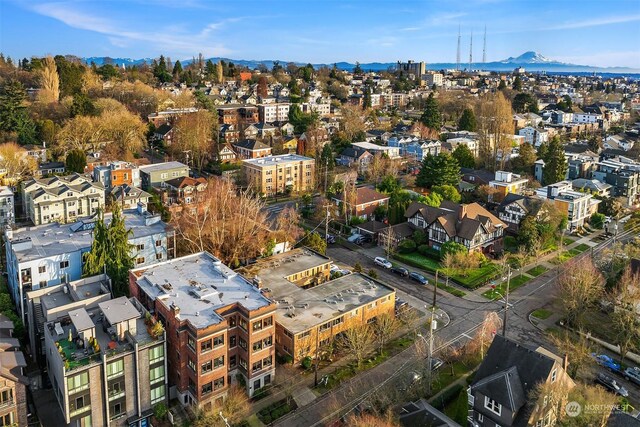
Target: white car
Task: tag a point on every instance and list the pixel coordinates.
(382, 262)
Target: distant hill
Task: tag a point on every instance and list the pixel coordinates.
(531, 61)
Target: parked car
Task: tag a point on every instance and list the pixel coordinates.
(632, 374)
(354, 238)
(607, 362)
(418, 278)
(400, 271)
(382, 262)
(331, 238)
(611, 384)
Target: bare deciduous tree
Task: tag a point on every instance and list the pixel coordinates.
(50, 81)
(580, 285)
(358, 342)
(483, 337)
(193, 135)
(576, 347)
(495, 127)
(16, 163)
(625, 316)
(386, 325)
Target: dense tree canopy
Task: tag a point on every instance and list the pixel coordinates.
(464, 156)
(442, 169)
(468, 121)
(431, 116)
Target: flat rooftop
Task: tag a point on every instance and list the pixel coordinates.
(162, 166)
(76, 291)
(276, 160)
(198, 284)
(316, 305)
(55, 239)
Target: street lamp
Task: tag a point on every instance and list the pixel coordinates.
(505, 299)
(433, 324)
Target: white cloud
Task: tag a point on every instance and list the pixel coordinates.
(173, 42)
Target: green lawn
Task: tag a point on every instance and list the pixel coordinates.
(478, 276)
(542, 313)
(537, 270)
(420, 261)
(510, 244)
(444, 377)
(514, 284)
(564, 256)
(567, 241)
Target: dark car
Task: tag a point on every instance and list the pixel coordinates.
(400, 271)
(331, 238)
(611, 384)
(418, 278)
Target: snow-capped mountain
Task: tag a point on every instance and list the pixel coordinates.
(530, 57)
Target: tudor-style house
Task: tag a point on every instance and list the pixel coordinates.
(515, 208)
(502, 390)
(470, 225)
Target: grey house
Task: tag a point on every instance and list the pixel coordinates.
(157, 174)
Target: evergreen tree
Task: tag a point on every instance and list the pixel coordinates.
(12, 108)
(160, 71)
(367, 98)
(111, 251)
(468, 121)
(83, 106)
(177, 69)
(431, 117)
(502, 85)
(464, 156)
(525, 103)
(526, 159)
(442, 169)
(210, 69)
(76, 161)
(357, 69)
(517, 84)
(555, 164)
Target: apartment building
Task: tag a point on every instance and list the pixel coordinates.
(157, 174)
(623, 177)
(576, 205)
(412, 67)
(117, 173)
(251, 149)
(185, 192)
(7, 207)
(278, 174)
(50, 254)
(128, 197)
(507, 183)
(276, 112)
(221, 326)
(13, 382)
(61, 198)
(107, 364)
(237, 114)
(168, 116)
(312, 310)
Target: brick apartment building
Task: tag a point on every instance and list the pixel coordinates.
(221, 325)
(313, 310)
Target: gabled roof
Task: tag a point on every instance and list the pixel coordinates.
(421, 414)
(366, 195)
(354, 152)
(164, 129)
(186, 181)
(505, 387)
(251, 144)
(530, 205)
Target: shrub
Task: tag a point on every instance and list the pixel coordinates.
(406, 246)
(284, 359)
(373, 274)
(597, 220)
(420, 237)
(448, 395)
(306, 362)
(160, 411)
(429, 252)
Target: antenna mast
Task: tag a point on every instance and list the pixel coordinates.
(484, 46)
(471, 51)
(458, 53)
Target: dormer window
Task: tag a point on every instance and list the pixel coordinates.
(492, 405)
(554, 375)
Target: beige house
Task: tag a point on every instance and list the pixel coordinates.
(61, 198)
(278, 174)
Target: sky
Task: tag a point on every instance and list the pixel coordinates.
(589, 32)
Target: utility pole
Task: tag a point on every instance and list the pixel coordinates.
(432, 327)
(506, 302)
(315, 374)
(326, 173)
(326, 230)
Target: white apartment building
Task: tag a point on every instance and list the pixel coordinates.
(276, 112)
(586, 118)
(534, 136)
(61, 198)
(7, 212)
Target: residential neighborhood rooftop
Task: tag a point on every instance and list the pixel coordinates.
(198, 285)
(274, 160)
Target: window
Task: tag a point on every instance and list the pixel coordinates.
(43, 283)
(158, 243)
(191, 364)
(140, 247)
(257, 346)
(218, 341)
(304, 335)
(232, 341)
(191, 342)
(325, 326)
(257, 366)
(42, 269)
(157, 394)
(554, 375)
(164, 175)
(492, 405)
(218, 362)
(115, 369)
(116, 390)
(158, 256)
(232, 321)
(207, 388)
(156, 354)
(242, 343)
(243, 323)
(243, 363)
(206, 367)
(268, 342)
(267, 361)
(156, 375)
(205, 346)
(64, 264)
(140, 260)
(219, 383)
(480, 417)
(78, 405)
(232, 361)
(78, 382)
(267, 322)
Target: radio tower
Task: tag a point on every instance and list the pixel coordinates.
(471, 51)
(458, 53)
(484, 46)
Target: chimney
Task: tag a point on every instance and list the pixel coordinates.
(565, 362)
(462, 212)
(175, 310)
